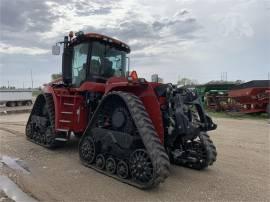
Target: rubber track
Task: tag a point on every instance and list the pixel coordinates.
(155, 149)
(210, 149)
(51, 112)
(211, 153)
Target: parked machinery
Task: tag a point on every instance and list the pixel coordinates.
(251, 97)
(129, 129)
(216, 100)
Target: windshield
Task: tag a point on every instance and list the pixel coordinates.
(106, 61)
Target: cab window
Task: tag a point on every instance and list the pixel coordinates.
(79, 65)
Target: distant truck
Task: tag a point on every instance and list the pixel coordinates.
(15, 97)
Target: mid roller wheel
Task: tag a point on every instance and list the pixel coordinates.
(100, 161)
(122, 169)
(111, 165)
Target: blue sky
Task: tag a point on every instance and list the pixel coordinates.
(197, 39)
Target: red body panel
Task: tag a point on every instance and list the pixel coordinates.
(71, 111)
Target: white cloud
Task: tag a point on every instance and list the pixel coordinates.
(234, 25)
(9, 49)
(193, 38)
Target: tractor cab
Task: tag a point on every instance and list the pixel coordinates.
(92, 57)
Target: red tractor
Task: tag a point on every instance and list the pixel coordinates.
(129, 129)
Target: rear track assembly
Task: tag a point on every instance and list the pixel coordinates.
(141, 159)
(40, 126)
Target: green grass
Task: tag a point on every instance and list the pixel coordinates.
(237, 115)
(35, 93)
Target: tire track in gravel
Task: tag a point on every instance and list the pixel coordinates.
(14, 132)
(13, 123)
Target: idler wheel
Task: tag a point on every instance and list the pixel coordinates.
(87, 149)
(141, 167)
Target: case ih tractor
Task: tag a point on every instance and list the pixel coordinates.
(129, 129)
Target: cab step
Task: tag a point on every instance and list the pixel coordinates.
(68, 104)
(61, 139)
(64, 121)
(66, 113)
(62, 130)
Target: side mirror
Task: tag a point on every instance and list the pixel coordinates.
(154, 78)
(67, 65)
(56, 50)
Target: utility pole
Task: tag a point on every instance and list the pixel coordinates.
(32, 79)
(8, 83)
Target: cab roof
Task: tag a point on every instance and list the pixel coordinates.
(101, 37)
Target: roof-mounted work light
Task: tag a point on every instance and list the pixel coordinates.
(79, 33)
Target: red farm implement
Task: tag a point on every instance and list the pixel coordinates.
(251, 97)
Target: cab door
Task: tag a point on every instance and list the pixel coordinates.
(79, 63)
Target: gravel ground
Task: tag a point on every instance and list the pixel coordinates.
(14, 110)
(241, 172)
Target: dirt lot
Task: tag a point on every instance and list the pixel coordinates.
(14, 110)
(241, 173)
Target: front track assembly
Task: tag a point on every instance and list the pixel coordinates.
(197, 153)
(121, 142)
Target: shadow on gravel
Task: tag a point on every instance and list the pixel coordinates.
(70, 146)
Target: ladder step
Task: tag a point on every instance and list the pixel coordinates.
(64, 121)
(68, 104)
(66, 113)
(61, 139)
(62, 130)
(73, 96)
